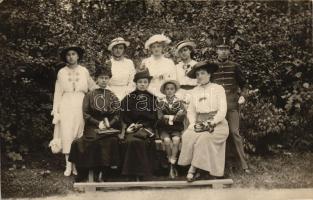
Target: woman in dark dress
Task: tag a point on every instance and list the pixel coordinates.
(98, 148)
(139, 116)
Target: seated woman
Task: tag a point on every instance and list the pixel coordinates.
(204, 141)
(98, 148)
(139, 116)
(171, 122)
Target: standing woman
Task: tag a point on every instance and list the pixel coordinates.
(73, 81)
(123, 69)
(160, 68)
(204, 141)
(139, 117)
(185, 51)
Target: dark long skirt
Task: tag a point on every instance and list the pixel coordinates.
(96, 151)
(139, 157)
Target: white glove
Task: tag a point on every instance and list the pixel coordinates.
(170, 120)
(102, 125)
(241, 100)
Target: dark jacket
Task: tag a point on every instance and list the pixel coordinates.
(139, 107)
(230, 76)
(171, 108)
(97, 105)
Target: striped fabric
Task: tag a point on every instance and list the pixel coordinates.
(230, 76)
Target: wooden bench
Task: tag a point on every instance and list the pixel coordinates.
(92, 186)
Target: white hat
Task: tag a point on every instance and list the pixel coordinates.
(157, 38)
(182, 44)
(117, 41)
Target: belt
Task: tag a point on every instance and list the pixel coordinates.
(187, 87)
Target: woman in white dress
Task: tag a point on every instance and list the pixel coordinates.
(160, 68)
(204, 141)
(123, 69)
(185, 50)
(73, 81)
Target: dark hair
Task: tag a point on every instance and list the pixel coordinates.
(149, 79)
(78, 50)
(205, 69)
(192, 52)
(170, 83)
(120, 44)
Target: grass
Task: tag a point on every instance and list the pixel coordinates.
(291, 170)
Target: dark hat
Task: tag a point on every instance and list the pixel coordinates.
(104, 69)
(79, 51)
(211, 67)
(176, 83)
(142, 74)
(223, 44)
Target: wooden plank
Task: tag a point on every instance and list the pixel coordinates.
(218, 183)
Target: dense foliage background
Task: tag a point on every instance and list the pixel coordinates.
(271, 40)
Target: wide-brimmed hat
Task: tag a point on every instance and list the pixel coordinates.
(79, 51)
(176, 83)
(142, 74)
(104, 69)
(117, 41)
(211, 67)
(157, 38)
(182, 44)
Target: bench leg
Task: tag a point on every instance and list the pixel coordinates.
(90, 179)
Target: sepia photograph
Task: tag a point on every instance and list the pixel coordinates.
(156, 99)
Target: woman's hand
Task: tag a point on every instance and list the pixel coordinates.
(161, 77)
(241, 100)
(102, 125)
(131, 128)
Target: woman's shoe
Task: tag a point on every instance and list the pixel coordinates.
(172, 172)
(175, 172)
(74, 171)
(68, 171)
(190, 177)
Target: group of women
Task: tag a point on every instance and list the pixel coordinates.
(177, 103)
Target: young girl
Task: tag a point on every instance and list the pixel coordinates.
(123, 69)
(171, 116)
(98, 148)
(160, 68)
(139, 116)
(185, 51)
(73, 81)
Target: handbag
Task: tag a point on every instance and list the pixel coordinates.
(109, 131)
(143, 133)
(56, 143)
(204, 126)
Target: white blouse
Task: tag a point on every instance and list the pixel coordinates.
(207, 98)
(71, 80)
(182, 69)
(123, 72)
(160, 68)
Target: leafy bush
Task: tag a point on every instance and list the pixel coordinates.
(271, 40)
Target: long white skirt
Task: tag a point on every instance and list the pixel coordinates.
(205, 150)
(71, 124)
